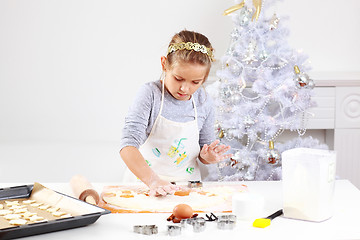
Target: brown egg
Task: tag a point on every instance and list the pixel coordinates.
(183, 211)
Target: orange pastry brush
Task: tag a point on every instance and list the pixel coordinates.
(264, 222)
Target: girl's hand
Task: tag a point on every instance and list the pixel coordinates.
(162, 188)
(214, 153)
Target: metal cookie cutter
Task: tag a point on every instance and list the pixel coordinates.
(174, 230)
(185, 222)
(230, 217)
(198, 224)
(195, 184)
(146, 229)
(226, 222)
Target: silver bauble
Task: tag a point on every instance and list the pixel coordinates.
(273, 156)
(301, 79)
(235, 98)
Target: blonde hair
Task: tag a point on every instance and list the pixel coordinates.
(189, 56)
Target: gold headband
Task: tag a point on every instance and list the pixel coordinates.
(191, 46)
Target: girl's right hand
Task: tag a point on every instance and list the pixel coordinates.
(162, 188)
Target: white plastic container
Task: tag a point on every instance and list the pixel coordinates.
(308, 177)
(247, 206)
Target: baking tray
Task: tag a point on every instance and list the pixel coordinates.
(24, 191)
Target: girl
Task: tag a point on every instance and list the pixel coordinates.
(172, 119)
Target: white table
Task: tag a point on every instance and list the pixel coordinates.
(345, 223)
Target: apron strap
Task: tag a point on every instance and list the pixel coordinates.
(162, 95)
(193, 101)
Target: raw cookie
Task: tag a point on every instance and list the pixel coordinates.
(29, 201)
(44, 207)
(52, 210)
(12, 216)
(36, 204)
(20, 210)
(27, 215)
(58, 214)
(12, 203)
(36, 218)
(18, 222)
(5, 212)
(16, 207)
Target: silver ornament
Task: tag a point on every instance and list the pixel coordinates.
(273, 156)
(301, 79)
(235, 99)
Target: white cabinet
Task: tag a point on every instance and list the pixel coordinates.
(324, 113)
(338, 113)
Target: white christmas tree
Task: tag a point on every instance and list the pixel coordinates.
(263, 90)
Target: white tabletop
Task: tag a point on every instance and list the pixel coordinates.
(343, 225)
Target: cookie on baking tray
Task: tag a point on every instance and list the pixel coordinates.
(21, 212)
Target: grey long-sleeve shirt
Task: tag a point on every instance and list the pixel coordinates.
(145, 109)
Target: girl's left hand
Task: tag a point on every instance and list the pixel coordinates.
(214, 153)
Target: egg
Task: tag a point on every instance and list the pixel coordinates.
(183, 211)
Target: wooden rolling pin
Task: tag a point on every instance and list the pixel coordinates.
(83, 190)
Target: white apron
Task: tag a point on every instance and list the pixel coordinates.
(171, 149)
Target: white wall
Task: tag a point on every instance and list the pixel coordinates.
(69, 70)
